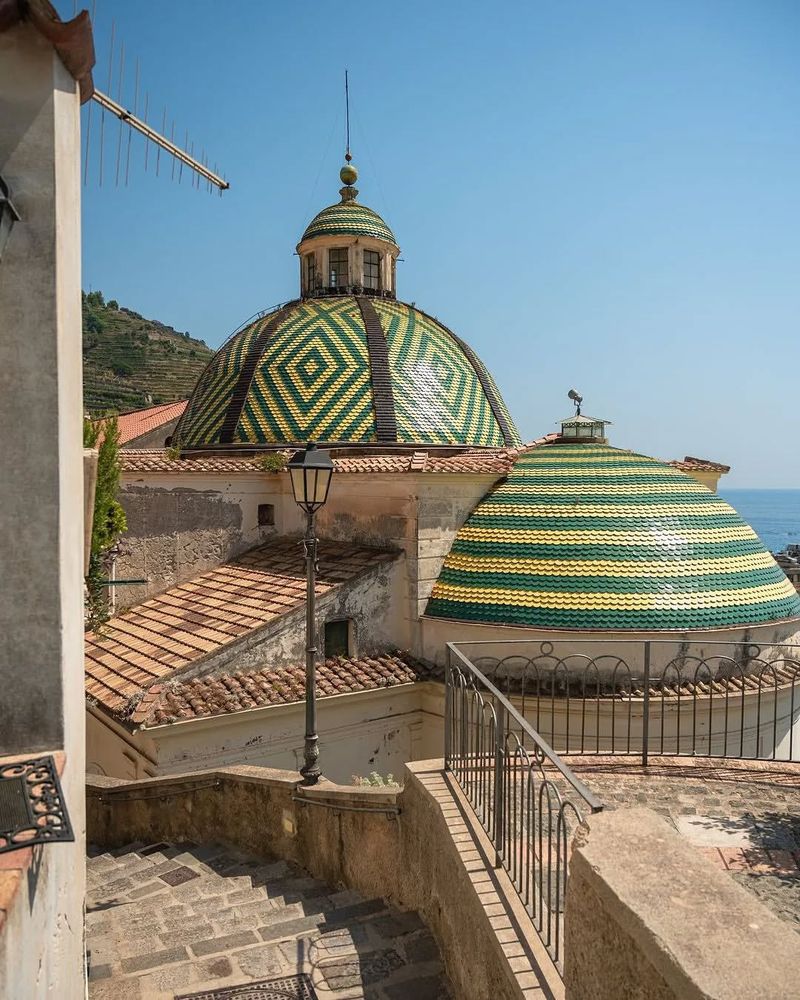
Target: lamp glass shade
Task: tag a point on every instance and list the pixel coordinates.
(310, 472)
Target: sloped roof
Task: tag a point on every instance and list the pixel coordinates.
(585, 536)
(237, 692)
(194, 620)
(348, 218)
(690, 464)
(138, 422)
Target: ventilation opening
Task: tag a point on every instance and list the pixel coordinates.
(266, 514)
(337, 638)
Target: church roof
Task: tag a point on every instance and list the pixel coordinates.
(585, 536)
(348, 219)
(341, 370)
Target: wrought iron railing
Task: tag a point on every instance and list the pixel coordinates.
(714, 699)
(525, 797)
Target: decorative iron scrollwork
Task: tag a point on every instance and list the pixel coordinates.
(32, 809)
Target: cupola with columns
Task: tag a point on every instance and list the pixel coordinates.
(347, 248)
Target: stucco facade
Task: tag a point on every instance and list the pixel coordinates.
(41, 504)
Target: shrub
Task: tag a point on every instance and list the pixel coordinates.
(273, 461)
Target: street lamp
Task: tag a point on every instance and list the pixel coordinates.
(310, 472)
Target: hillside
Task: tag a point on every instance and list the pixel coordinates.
(130, 362)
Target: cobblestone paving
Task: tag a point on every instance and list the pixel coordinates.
(166, 920)
(743, 815)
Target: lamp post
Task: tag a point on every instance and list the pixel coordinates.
(310, 472)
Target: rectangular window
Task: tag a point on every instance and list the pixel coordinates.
(266, 514)
(311, 272)
(337, 639)
(372, 269)
(337, 266)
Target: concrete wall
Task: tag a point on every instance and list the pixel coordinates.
(666, 925)
(41, 496)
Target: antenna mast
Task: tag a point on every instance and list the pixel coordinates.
(347, 155)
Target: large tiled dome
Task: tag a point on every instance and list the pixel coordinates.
(586, 536)
(345, 370)
(348, 219)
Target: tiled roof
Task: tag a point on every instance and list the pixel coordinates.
(690, 464)
(192, 621)
(584, 536)
(311, 370)
(138, 422)
(348, 218)
(490, 462)
(237, 692)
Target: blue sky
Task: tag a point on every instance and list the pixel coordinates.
(602, 195)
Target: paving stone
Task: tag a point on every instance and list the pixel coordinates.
(99, 972)
(289, 928)
(146, 890)
(224, 943)
(119, 885)
(151, 960)
(186, 935)
(397, 923)
(115, 989)
(175, 977)
(214, 968)
(357, 970)
(421, 949)
(354, 912)
(421, 988)
(261, 962)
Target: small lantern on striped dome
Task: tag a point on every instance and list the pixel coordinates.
(581, 429)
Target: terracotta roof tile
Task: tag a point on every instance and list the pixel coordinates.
(138, 422)
(193, 620)
(690, 464)
(237, 692)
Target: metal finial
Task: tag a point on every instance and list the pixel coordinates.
(347, 155)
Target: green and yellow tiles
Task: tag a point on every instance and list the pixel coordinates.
(583, 536)
(312, 380)
(348, 218)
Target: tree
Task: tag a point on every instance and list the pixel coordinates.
(108, 522)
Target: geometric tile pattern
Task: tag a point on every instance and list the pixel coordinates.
(583, 536)
(438, 396)
(313, 380)
(348, 219)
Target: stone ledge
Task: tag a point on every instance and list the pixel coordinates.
(668, 918)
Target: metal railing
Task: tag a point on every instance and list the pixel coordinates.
(631, 697)
(525, 797)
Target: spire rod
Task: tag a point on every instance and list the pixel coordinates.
(347, 155)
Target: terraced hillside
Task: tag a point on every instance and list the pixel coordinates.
(130, 362)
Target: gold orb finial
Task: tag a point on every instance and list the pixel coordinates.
(348, 174)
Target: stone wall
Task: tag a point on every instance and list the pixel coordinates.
(390, 844)
(665, 924)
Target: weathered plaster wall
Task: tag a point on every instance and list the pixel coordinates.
(41, 500)
(181, 526)
(359, 733)
(666, 924)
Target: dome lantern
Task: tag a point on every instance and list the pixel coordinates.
(579, 428)
(347, 248)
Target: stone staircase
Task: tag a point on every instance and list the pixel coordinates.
(169, 921)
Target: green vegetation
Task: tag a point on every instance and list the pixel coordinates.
(375, 780)
(108, 522)
(130, 362)
(273, 461)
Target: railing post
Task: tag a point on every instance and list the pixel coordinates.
(499, 781)
(448, 708)
(646, 708)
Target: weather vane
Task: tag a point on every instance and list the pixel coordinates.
(577, 399)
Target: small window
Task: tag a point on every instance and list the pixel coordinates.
(311, 272)
(337, 265)
(372, 269)
(337, 638)
(266, 514)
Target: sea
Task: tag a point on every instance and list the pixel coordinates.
(774, 515)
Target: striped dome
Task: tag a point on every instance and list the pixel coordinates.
(345, 370)
(583, 536)
(348, 218)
